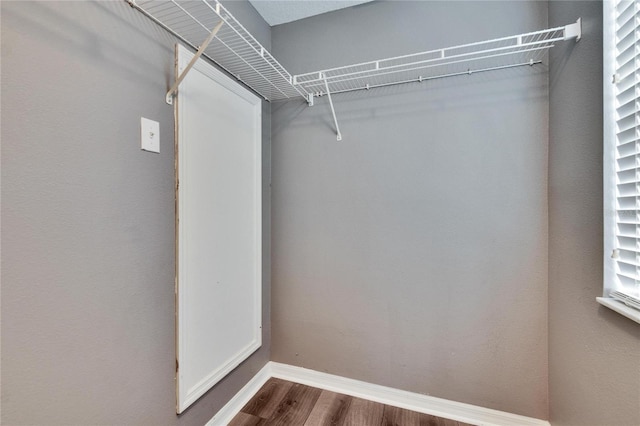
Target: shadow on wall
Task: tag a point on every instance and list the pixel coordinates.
(79, 35)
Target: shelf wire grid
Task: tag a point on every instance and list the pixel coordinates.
(233, 48)
(505, 52)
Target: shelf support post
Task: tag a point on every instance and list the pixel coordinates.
(333, 111)
(174, 89)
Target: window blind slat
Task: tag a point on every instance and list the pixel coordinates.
(626, 43)
(628, 219)
(621, 5)
(632, 166)
(625, 27)
(628, 105)
(629, 161)
(627, 203)
(628, 270)
(624, 56)
(628, 67)
(628, 176)
(628, 189)
(631, 276)
(631, 262)
(627, 135)
(624, 11)
(627, 109)
(624, 97)
(626, 123)
(627, 243)
(632, 236)
(628, 165)
(629, 256)
(627, 149)
(628, 230)
(626, 82)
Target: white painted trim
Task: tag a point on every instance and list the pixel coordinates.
(244, 395)
(609, 147)
(621, 308)
(398, 398)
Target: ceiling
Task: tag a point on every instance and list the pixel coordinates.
(277, 12)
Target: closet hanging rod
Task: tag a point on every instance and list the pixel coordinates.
(421, 78)
(434, 77)
(418, 65)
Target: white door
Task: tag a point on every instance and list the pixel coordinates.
(219, 236)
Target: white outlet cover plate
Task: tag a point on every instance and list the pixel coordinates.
(149, 135)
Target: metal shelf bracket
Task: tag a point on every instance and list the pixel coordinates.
(174, 89)
(573, 30)
(333, 111)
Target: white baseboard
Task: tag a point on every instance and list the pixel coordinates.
(244, 395)
(398, 398)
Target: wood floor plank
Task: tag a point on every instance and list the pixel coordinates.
(330, 410)
(362, 412)
(429, 420)
(401, 417)
(266, 401)
(295, 407)
(394, 416)
(244, 419)
(283, 403)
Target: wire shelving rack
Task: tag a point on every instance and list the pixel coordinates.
(233, 48)
(226, 42)
(500, 53)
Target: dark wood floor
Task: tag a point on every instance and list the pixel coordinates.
(280, 402)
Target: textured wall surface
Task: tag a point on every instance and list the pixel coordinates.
(413, 254)
(594, 353)
(88, 220)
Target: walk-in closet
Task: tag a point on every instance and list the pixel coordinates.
(303, 212)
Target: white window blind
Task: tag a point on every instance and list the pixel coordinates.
(622, 152)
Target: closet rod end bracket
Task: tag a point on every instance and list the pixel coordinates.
(169, 98)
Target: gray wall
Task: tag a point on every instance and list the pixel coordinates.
(594, 353)
(88, 220)
(413, 254)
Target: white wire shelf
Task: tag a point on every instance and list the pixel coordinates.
(500, 53)
(226, 42)
(233, 47)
